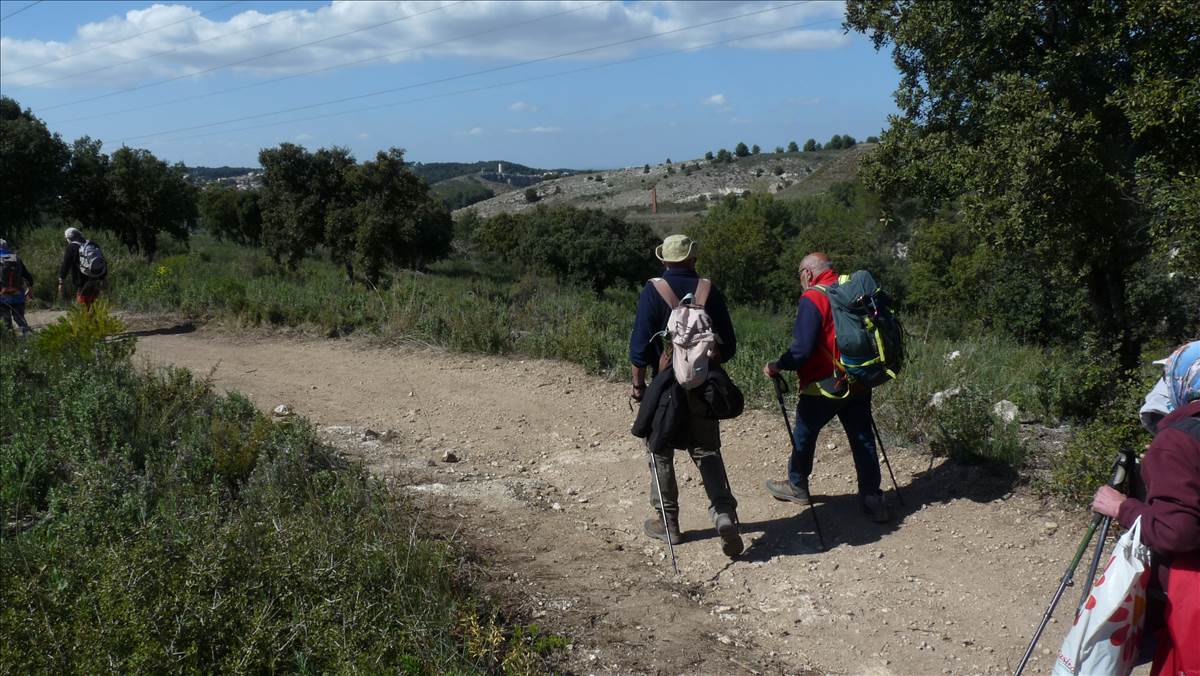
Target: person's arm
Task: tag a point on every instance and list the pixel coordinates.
(642, 341)
(718, 309)
(1171, 512)
(806, 332)
(28, 277)
(69, 255)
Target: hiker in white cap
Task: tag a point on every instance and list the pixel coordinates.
(678, 281)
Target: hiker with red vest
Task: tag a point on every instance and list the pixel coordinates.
(812, 355)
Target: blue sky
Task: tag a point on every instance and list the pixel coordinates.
(447, 80)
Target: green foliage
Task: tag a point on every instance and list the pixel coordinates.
(778, 150)
(462, 192)
(148, 524)
(81, 332)
(741, 150)
(531, 195)
(739, 242)
(793, 148)
(87, 195)
(872, 139)
(232, 214)
(31, 167)
(811, 145)
(436, 172)
(724, 156)
(148, 197)
(965, 430)
(1055, 150)
(755, 149)
(708, 155)
(293, 218)
(583, 246)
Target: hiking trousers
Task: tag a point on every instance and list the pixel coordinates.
(706, 454)
(14, 313)
(815, 411)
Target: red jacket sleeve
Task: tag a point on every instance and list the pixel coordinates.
(1171, 512)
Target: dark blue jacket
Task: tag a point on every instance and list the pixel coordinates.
(806, 331)
(652, 313)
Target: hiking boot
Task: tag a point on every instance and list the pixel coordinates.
(875, 509)
(785, 491)
(731, 542)
(654, 528)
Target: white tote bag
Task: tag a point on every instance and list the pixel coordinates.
(1105, 637)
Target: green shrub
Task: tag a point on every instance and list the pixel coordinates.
(966, 430)
(148, 524)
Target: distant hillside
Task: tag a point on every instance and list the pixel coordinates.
(435, 172)
(206, 174)
(684, 189)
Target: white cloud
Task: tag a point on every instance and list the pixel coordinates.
(305, 136)
(487, 30)
(536, 130)
(523, 107)
(716, 100)
(473, 131)
(364, 136)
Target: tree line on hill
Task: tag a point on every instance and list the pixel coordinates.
(836, 142)
(368, 215)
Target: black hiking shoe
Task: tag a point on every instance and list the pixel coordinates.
(654, 528)
(731, 542)
(875, 508)
(785, 491)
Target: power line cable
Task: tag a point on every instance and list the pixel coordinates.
(249, 59)
(324, 69)
(509, 83)
(72, 76)
(12, 14)
(460, 76)
(125, 39)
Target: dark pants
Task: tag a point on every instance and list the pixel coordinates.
(14, 312)
(706, 453)
(812, 413)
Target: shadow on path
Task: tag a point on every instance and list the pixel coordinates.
(843, 522)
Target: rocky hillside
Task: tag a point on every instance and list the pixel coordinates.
(686, 187)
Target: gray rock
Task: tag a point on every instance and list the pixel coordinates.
(940, 398)
(449, 456)
(1006, 411)
(282, 411)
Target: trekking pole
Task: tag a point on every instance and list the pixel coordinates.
(1127, 460)
(780, 390)
(662, 508)
(1118, 476)
(883, 453)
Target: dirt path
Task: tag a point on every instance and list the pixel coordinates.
(552, 490)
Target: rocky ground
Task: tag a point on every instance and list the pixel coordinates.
(531, 464)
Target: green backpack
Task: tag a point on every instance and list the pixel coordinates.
(869, 335)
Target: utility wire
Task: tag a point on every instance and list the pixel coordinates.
(249, 59)
(12, 14)
(460, 76)
(509, 83)
(282, 15)
(126, 39)
(251, 85)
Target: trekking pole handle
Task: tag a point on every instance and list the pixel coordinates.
(781, 387)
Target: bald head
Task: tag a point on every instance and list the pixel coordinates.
(812, 266)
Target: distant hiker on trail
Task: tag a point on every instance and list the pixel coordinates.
(811, 355)
(85, 264)
(1170, 512)
(690, 426)
(16, 284)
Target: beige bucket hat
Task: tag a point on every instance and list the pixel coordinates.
(676, 248)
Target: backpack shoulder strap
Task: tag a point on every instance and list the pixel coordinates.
(702, 290)
(664, 290)
(1189, 425)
